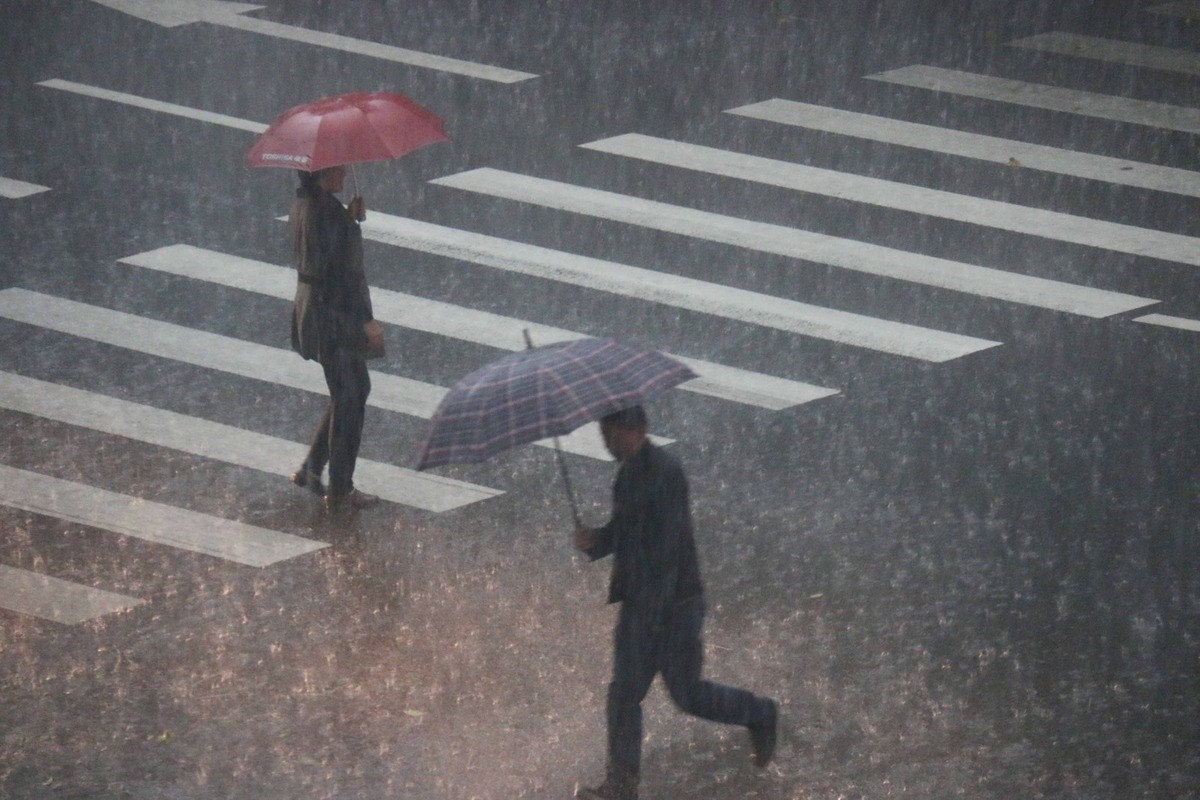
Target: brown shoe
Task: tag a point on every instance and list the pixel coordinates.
(354, 500)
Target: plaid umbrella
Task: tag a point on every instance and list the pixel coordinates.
(544, 392)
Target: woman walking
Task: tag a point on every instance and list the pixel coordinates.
(332, 323)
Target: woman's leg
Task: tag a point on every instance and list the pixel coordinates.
(349, 385)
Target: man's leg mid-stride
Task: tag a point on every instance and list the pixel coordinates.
(682, 666)
(678, 652)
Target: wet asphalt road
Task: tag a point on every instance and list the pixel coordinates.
(975, 578)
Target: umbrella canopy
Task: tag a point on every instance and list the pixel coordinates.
(346, 129)
(543, 392)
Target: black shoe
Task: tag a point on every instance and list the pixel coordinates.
(354, 500)
(305, 478)
(607, 791)
(762, 735)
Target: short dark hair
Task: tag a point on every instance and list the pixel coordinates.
(308, 182)
(632, 418)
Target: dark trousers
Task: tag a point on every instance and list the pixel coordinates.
(677, 652)
(339, 433)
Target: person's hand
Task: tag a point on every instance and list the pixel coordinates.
(374, 333)
(357, 208)
(585, 538)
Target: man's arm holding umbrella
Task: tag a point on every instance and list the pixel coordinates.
(654, 531)
(597, 543)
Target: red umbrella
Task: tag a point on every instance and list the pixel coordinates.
(346, 129)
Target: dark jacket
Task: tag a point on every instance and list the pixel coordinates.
(650, 535)
(333, 301)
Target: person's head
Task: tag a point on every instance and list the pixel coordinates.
(308, 182)
(330, 179)
(624, 431)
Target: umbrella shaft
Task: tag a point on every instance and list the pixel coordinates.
(562, 468)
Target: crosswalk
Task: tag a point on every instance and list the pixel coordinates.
(232, 15)
(458, 322)
(1170, 321)
(666, 289)
(237, 357)
(930, 203)
(802, 245)
(149, 521)
(36, 595)
(221, 442)
(1117, 52)
(993, 149)
(1129, 110)
(150, 104)
(52, 598)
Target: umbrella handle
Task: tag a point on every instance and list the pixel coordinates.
(562, 462)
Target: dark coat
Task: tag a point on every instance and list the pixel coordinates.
(650, 535)
(333, 301)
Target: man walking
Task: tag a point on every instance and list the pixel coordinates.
(656, 578)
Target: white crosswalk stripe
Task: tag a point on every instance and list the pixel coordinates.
(149, 104)
(479, 327)
(240, 357)
(799, 244)
(1112, 50)
(149, 521)
(1054, 98)
(414, 58)
(222, 442)
(1024, 155)
(933, 203)
(229, 15)
(57, 600)
(15, 189)
(401, 55)
(674, 290)
(1167, 321)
